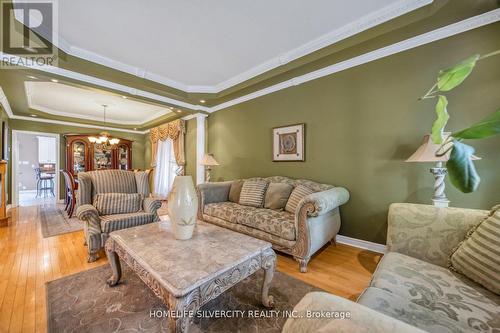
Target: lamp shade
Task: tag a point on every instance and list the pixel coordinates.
(427, 151)
(209, 160)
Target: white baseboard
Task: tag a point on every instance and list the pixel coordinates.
(362, 244)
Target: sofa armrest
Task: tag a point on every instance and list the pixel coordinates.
(89, 214)
(324, 201)
(344, 316)
(427, 232)
(151, 205)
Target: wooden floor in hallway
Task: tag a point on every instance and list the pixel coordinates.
(28, 261)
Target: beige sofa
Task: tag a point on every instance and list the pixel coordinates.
(316, 220)
(412, 283)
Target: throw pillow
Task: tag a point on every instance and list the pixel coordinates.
(252, 193)
(277, 195)
(478, 256)
(117, 203)
(298, 194)
(235, 191)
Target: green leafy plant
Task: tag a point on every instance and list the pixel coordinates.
(463, 173)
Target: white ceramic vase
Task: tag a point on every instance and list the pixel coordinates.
(182, 207)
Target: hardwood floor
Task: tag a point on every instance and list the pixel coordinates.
(27, 261)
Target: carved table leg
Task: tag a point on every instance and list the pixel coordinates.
(114, 263)
(181, 306)
(268, 265)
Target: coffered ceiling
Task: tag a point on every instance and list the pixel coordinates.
(69, 101)
(204, 56)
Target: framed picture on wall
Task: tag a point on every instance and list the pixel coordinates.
(288, 143)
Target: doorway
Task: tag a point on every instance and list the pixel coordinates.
(35, 168)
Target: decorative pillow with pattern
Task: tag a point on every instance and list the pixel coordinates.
(235, 191)
(117, 203)
(298, 193)
(277, 195)
(252, 193)
(478, 256)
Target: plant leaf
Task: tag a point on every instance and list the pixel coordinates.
(452, 77)
(441, 120)
(463, 174)
(489, 126)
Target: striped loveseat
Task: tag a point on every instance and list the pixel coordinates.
(110, 200)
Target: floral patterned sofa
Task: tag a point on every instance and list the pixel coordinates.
(413, 284)
(316, 220)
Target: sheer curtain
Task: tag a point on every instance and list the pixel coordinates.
(166, 168)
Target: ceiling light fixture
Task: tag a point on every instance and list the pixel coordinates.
(33, 115)
(104, 138)
(32, 77)
(124, 97)
(54, 80)
(202, 101)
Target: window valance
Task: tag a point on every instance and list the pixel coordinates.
(170, 130)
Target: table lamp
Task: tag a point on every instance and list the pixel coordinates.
(208, 161)
(427, 153)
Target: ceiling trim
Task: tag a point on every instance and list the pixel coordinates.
(426, 38)
(34, 106)
(364, 23)
(407, 44)
(17, 61)
(6, 106)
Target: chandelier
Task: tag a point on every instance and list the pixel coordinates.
(104, 137)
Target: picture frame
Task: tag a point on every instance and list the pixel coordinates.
(289, 143)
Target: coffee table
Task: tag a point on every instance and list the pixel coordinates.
(187, 274)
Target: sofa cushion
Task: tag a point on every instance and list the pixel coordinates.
(298, 194)
(278, 223)
(228, 211)
(478, 257)
(111, 223)
(252, 193)
(235, 191)
(275, 222)
(277, 195)
(117, 203)
(439, 290)
(409, 312)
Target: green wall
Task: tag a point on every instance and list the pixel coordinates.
(138, 146)
(362, 123)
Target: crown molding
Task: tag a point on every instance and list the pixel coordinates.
(407, 44)
(69, 123)
(426, 38)
(5, 103)
(18, 61)
(51, 111)
(364, 23)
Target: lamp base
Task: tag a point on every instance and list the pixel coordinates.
(439, 199)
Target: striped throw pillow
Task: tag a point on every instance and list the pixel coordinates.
(478, 256)
(117, 203)
(252, 193)
(298, 194)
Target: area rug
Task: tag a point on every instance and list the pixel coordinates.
(55, 221)
(84, 303)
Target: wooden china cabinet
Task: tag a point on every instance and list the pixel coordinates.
(82, 155)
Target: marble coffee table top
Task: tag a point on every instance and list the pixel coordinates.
(183, 265)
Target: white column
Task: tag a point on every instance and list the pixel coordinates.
(200, 147)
